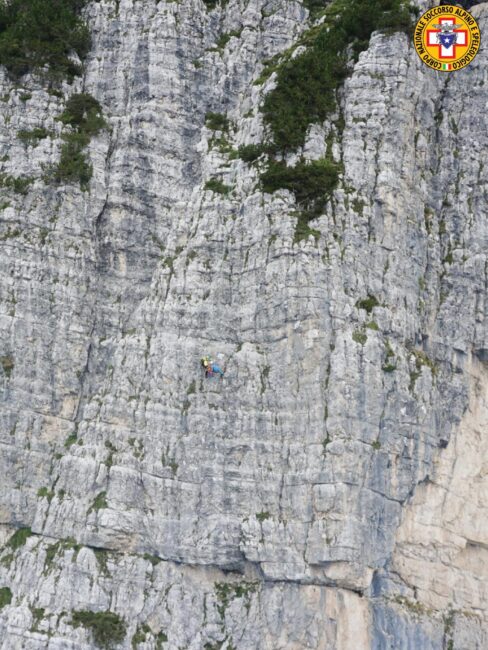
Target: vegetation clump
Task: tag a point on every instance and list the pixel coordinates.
(107, 628)
(37, 616)
(303, 229)
(311, 183)
(33, 136)
(45, 492)
(373, 325)
(359, 337)
(61, 545)
(225, 38)
(211, 4)
(73, 166)
(421, 360)
(216, 185)
(51, 552)
(35, 34)
(314, 6)
(216, 121)
(99, 502)
(305, 93)
(387, 365)
(368, 304)
(5, 597)
(19, 184)
(413, 605)
(7, 364)
(70, 440)
(306, 85)
(153, 559)
(227, 591)
(140, 635)
(250, 152)
(84, 114)
(19, 538)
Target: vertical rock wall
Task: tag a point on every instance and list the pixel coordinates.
(327, 493)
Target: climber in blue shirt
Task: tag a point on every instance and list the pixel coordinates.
(216, 369)
(211, 368)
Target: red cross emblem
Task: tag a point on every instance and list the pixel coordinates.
(461, 39)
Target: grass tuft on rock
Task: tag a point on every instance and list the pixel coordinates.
(44, 492)
(19, 538)
(7, 364)
(359, 337)
(99, 502)
(140, 635)
(161, 638)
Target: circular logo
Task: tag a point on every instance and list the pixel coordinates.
(447, 38)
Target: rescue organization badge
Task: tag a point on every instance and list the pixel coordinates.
(447, 38)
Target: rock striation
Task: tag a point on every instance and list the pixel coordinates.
(330, 491)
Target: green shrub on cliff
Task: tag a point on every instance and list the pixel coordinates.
(19, 538)
(5, 597)
(107, 628)
(306, 85)
(305, 93)
(84, 114)
(38, 33)
(311, 183)
(33, 136)
(73, 165)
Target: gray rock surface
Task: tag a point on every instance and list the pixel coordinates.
(310, 499)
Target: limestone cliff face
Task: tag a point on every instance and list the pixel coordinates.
(330, 491)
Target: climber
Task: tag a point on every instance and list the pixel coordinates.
(216, 369)
(206, 365)
(211, 367)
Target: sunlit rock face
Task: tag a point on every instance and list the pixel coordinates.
(330, 491)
